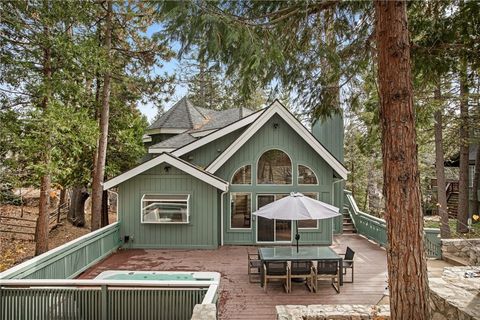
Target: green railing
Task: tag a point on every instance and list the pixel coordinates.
(70, 259)
(375, 228)
(90, 299)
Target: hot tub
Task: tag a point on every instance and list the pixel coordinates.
(177, 278)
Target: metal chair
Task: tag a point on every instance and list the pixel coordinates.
(301, 270)
(254, 265)
(276, 270)
(348, 262)
(327, 270)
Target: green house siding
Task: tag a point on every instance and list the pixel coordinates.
(204, 155)
(200, 232)
(282, 137)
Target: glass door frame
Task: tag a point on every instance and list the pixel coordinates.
(274, 222)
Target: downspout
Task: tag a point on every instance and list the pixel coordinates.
(221, 216)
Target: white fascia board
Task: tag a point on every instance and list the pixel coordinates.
(177, 163)
(198, 134)
(277, 108)
(217, 134)
(165, 130)
(146, 138)
(160, 150)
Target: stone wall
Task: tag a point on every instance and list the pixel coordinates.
(467, 250)
(332, 311)
(204, 312)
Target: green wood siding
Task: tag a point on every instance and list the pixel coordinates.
(204, 155)
(330, 133)
(287, 140)
(200, 232)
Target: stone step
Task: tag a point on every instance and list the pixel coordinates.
(456, 261)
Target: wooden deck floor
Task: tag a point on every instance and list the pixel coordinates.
(240, 299)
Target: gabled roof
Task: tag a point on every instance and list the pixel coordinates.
(173, 161)
(289, 118)
(195, 139)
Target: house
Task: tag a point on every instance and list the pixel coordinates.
(211, 169)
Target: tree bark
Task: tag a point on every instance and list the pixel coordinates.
(41, 227)
(76, 212)
(440, 171)
(97, 185)
(476, 182)
(462, 213)
(61, 203)
(407, 268)
(105, 208)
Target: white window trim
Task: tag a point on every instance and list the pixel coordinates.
(243, 184)
(166, 199)
(298, 175)
(275, 221)
(251, 211)
(272, 184)
(317, 196)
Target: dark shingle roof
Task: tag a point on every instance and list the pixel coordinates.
(183, 115)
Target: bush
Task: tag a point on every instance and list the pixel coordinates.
(7, 196)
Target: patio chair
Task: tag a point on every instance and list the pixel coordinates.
(327, 270)
(254, 265)
(301, 270)
(276, 270)
(348, 262)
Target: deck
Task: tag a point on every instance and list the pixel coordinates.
(240, 299)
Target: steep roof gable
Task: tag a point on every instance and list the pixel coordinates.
(295, 124)
(173, 161)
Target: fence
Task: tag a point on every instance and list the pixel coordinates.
(96, 299)
(70, 259)
(375, 228)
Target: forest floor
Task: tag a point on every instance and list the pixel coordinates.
(15, 249)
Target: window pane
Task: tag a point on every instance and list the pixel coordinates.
(165, 208)
(274, 167)
(265, 227)
(308, 223)
(241, 210)
(306, 175)
(243, 175)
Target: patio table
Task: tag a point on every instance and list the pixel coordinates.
(306, 253)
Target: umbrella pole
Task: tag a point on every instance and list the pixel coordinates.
(297, 236)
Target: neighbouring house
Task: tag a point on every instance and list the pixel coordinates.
(211, 169)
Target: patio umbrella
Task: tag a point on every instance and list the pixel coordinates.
(296, 206)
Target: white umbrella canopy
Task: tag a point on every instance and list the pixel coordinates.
(296, 206)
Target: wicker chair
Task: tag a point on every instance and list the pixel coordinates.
(326, 270)
(301, 270)
(348, 262)
(276, 270)
(254, 265)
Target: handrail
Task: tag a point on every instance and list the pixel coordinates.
(375, 228)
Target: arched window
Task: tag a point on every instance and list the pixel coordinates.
(274, 167)
(306, 175)
(243, 175)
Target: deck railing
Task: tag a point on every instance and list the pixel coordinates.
(70, 259)
(99, 299)
(375, 228)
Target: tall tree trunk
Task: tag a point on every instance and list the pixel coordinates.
(407, 267)
(105, 208)
(61, 203)
(462, 214)
(440, 170)
(476, 182)
(76, 212)
(97, 185)
(41, 227)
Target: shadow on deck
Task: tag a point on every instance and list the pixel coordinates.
(240, 299)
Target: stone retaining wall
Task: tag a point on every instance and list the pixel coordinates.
(204, 312)
(468, 250)
(338, 311)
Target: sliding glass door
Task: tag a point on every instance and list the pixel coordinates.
(272, 230)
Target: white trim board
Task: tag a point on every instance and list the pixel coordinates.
(278, 108)
(173, 161)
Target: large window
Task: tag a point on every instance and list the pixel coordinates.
(243, 175)
(274, 167)
(269, 230)
(306, 175)
(162, 208)
(240, 210)
(309, 224)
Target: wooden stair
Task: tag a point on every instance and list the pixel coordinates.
(452, 205)
(348, 226)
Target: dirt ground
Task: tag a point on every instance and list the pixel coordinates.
(15, 249)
